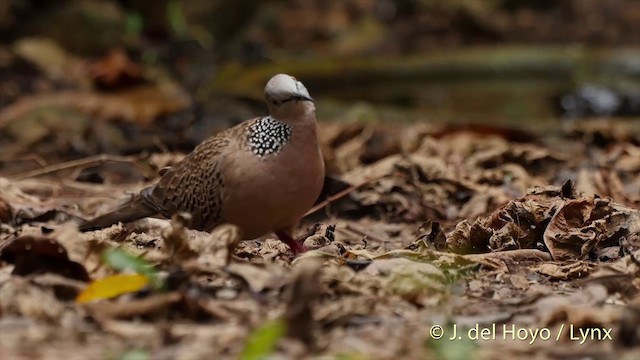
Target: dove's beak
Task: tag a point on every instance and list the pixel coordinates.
(303, 97)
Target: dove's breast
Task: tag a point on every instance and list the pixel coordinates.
(272, 183)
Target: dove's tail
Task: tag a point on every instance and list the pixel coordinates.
(133, 210)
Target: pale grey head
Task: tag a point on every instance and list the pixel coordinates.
(289, 104)
(284, 94)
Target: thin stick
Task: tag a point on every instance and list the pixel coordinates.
(339, 195)
(85, 162)
(31, 157)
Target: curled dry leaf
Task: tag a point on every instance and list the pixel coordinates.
(524, 220)
(581, 225)
(469, 238)
(35, 255)
(570, 225)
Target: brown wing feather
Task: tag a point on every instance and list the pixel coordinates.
(196, 184)
(133, 210)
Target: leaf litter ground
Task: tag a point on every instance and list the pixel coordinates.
(523, 243)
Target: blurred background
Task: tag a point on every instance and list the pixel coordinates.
(83, 77)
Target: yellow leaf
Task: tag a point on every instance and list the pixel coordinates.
(112, 286)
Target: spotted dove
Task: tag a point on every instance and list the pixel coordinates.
(261, 175)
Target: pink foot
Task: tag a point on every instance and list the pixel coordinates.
(295, 245)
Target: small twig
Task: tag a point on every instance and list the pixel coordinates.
(339, 195)
(85, 162)
(160, 144)
(607, 279)
(31, 157)
(518, 255)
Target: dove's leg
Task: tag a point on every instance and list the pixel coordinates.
(295, 245)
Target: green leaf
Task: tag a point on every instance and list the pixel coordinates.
(263, 340)
(123, 261)
(137, 354)
(176, 17)
(445, 349)
(134, 24)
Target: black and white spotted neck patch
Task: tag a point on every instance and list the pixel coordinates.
(268, 136)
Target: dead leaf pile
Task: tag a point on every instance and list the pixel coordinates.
(429, 226)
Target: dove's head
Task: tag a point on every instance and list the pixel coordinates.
(287, 97)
